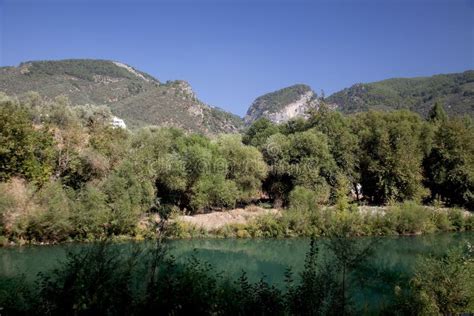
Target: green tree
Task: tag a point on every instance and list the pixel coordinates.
(437, 113)
(298, 159)
(258, 133)
(51, 219)
(450, 164)
(128, 197)
(246, 166)
(24, 150)
(90, 214)
(391, 150)
(213, 191)
(341, 140)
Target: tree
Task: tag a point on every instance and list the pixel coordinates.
(341, 140)
(90, 214)
(258, 133)
(24, 150)
(437, 113)
(213, 191)
(391, 150)
(51, 219)
(128, 197)
(298, 159)
(450, 164)
(246, 166)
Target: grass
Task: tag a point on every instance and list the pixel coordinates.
(407, 218)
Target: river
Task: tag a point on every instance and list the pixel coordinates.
(258, 257)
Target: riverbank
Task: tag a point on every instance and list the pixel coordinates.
(256, 222)
(259, 222)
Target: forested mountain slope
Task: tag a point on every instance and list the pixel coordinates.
(135, 96)
(455, 91)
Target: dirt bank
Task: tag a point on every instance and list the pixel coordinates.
(214, 220)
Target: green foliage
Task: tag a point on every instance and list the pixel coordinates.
(416, 94)
(213, 191)
(342, 141)
(128, 198)
(24, 150)
(450, 164)
(444, 285)
(90, 215)
(409, 218)
(94, 180)
(257, 134)
(391, 150)
(298, 159)
(93, 281)
(302, 199)
(246, 166)
(437, 113)
(51, 221)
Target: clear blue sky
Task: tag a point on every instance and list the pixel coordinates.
(233, 51)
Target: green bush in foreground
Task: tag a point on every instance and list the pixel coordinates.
(101, 279)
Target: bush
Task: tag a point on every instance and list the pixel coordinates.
(91, 214)
(441, 220)
(444, 285)
(457, 219)
(214, 191)
(51, 221)
(409, 218)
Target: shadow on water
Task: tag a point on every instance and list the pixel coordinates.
(393, 259)
(270, 257)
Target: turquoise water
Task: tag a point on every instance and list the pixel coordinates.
(258, 257)
(393, 259)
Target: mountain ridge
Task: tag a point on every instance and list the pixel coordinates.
(141, 99)
(283, 104)
(454, 90)
(135, 96)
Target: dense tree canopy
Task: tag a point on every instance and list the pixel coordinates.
(391, 150)
(67, 172)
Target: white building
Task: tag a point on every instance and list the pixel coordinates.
(118, 122)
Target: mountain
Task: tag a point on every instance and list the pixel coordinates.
(454, 91)
(282, 105)
(175, 104)
(132, 95)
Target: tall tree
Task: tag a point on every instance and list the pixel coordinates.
(437, 113)
(450, 164)
(392, 146)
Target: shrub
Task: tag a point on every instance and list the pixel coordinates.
(457, 219)
(91, 214)
(409, 218)
(51, 221)
(444, 284)
(441, 220)
(214, 191)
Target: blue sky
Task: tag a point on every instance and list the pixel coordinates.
(233, 51)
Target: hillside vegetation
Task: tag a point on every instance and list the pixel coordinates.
(136, 97)
(66, 173)
(454, 91)
(283, 104)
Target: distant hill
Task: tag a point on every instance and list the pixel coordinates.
(282, 105)
(135, 96)
(175, 104)
(454, 91)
